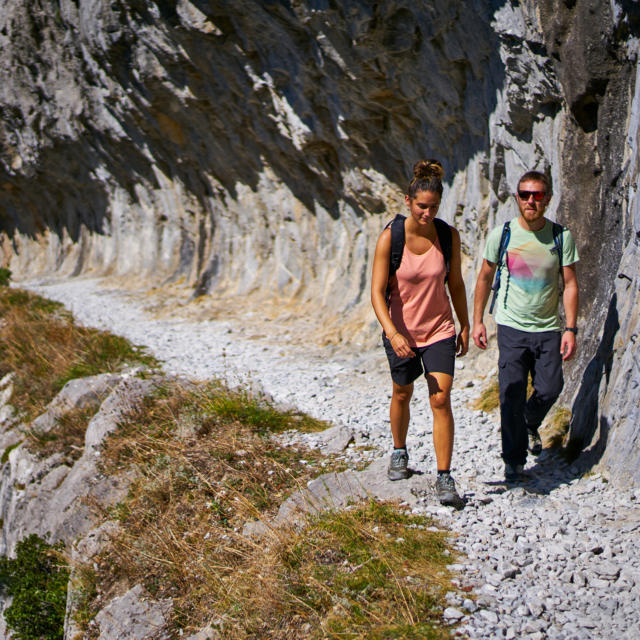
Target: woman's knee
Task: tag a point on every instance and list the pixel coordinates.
(402, 393)
(440, 401)
(439, 390)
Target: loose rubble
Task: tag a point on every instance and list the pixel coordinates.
(555, 557)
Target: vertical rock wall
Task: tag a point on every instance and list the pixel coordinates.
(256, 148)
(594, 48)
(275, 133)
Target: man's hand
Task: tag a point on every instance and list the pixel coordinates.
(568, 346)
(480, 298)
(480, 335)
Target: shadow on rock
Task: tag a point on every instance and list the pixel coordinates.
(585, 411)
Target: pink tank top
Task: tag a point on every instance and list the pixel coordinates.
(419, 305)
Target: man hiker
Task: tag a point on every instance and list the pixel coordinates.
(529, 252)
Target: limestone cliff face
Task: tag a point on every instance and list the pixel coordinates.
(258, 147)
(242, 145)
(594, 47)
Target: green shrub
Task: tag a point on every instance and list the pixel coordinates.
(5, 276)
(5, 454)
(37, 581)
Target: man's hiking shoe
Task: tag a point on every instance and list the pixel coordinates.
(398, 466)
(513, 472)
(535, 444)
(446, 491)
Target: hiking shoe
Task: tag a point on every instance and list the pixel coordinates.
(446, 491)
(535, 444)
(512, 472)
(398, 466)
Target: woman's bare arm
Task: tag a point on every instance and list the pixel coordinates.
(458, 293)
(379, 280)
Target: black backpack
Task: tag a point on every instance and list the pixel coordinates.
(397, 244)
(557, 230)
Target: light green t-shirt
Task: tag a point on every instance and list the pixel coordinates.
(529, 292)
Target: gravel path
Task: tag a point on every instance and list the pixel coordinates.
(556, 557)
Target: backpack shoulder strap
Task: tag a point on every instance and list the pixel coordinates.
(397, 242)
(444, 238)
(558, 241)
(397, 247)
(504, 243)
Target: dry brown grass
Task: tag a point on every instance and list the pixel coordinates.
(200, 475)
(489, 398)
(67, 437)
(556, 427)
(42, 347)
(373, 571)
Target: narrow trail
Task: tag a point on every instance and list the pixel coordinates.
(553, 558)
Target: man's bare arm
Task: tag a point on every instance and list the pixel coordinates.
(480, 297)
(570, 301)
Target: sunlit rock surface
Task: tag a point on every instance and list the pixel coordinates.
(256, 148)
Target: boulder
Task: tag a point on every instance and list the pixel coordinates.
(134, 616)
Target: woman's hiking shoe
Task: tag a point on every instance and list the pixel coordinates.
(446, 491)
(398, 466)
(513, 472)
(535, 444)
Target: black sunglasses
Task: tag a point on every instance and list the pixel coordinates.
(537, 195)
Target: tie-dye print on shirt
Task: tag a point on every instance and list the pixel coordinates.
(529, 293)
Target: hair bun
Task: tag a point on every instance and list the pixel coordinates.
(428, 169)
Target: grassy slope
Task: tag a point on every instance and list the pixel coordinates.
(204, 460)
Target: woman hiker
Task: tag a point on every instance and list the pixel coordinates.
(414, 311)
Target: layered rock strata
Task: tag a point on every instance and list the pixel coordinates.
(257, 148)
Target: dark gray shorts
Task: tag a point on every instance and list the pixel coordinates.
(438, 357)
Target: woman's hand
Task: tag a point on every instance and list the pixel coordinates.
(462, 343)
(458, 294)
(401, 346)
